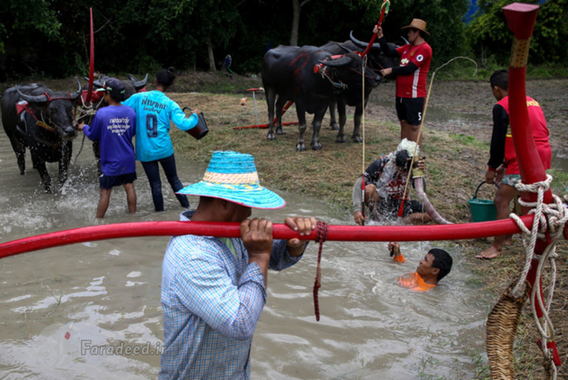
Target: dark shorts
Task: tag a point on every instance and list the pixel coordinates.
(107, 182)
(389, 207)
(410, 109)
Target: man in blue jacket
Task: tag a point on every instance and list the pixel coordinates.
(154, 110)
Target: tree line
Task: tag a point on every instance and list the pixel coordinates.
(52, 37)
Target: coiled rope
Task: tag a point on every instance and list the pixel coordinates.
(549, 221)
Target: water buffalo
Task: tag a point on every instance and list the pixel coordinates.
(47, 127)
(376, 60)
(311, 78)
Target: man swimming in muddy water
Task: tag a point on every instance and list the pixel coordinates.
(502, 167)
(385, 184)
(435, 265)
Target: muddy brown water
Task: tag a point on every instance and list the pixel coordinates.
(92, 310)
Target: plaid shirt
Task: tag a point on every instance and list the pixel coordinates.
(212, 301)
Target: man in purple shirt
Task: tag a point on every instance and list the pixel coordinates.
(114, 126)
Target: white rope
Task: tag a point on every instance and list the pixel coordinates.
(85, 111)
(549, 218)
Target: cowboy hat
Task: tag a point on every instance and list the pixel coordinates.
(417, 24)
(232, 176)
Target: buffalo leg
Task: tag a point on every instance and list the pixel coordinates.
(318, 117)
(270, 100)
(20, 151)
(356, 136)
(97, 153)
(39, 164)
(301, 112)
(341, 110)
(279, 113)
(66, 152)
(333, 121)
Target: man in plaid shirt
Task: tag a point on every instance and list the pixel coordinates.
(214, 289)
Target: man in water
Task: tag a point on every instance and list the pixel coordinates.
(431, 269)
(385, 185)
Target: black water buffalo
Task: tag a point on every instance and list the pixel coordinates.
(376, 60)
(47, 128)
(131, 85)
(309, 77)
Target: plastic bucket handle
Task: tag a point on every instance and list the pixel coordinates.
(481, 184)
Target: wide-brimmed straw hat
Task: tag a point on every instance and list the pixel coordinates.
(417, 24)
(232, 176)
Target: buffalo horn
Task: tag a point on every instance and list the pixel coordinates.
(345, 48)
(31, 98)
(362, 44)
(344, 60)
(140, 83)
(79, 91)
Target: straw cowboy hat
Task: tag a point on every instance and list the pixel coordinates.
(232, 176)
(417, 24)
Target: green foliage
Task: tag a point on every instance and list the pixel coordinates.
(52, 37)
(444, 23)
(488, 32)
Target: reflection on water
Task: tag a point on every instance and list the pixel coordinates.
(92, 310)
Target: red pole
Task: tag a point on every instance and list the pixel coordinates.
(368, 48)
(280, 231)
(521, 19)
(91, 61)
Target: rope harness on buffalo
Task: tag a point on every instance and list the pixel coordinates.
(322, 229)
(86, 111)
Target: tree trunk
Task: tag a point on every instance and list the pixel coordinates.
(210, 55)
(295, 22)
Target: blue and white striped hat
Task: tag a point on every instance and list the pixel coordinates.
(232, 176)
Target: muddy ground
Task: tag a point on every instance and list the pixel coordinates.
(456, 141)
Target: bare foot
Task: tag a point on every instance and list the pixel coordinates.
(508, 240)
(490, 253)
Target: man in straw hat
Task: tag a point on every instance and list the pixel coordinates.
(214, 289)
(415, 58)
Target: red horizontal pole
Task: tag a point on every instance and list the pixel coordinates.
(280, 231)
(264, 125)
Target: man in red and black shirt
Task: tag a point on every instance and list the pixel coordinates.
(415, 59)
(502, 166)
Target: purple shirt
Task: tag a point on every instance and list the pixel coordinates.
(114, 127)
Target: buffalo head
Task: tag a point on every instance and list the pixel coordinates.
(55, 109)
(351, 67)
(376, 57)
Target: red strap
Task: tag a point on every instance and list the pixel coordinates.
(321, 236)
